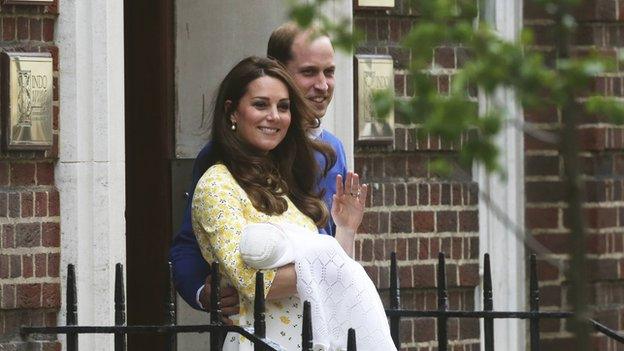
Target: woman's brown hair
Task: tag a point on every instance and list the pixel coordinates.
(291, 168)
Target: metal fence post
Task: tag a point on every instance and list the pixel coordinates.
(120, 307)
(306, 328)
(259, 308)
(351, 345)
(534, 305)
(394, 300)
(442, 304)
(488, 304)
(72, 307)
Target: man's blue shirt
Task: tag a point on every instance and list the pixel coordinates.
(189, 267)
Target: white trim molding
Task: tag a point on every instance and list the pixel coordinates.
(90, 173)
(506, 250)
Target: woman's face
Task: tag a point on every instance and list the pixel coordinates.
(263, 113)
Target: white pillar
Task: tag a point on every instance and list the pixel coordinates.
(506, 250)
(90, 174)
(339, 117)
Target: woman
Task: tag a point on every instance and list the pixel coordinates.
(265, 173)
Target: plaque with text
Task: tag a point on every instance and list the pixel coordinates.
(373, 73)
(28, 2)
(27, 100)
(375, 3)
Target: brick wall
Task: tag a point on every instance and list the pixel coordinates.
(602, 157)
(411, 211)
(29, 203)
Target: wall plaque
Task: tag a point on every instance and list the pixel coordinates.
(27, 100)
(28, 2)
(375, 3)
(373, 72)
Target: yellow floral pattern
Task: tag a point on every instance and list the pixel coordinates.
(221, 209)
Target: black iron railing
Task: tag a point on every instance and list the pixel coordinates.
(257, 334)
(442, 313)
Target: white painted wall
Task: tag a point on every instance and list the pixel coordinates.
(90, 174)
(507, 253)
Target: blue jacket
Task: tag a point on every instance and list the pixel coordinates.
(189, 267)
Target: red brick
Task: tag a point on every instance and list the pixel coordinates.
(22, 28)
(457, 248)
(434, 193)
(423, 248)
(550, 295)
(469, 274)
(405, 276)
(469, 328)
(603, 269)
(592, 139)
(27, 266)
(424, 275)
(53, 203)
(468, 221)
(28, 295)
(48, 30)
(8, 29)
(4, 266)
(8, 296)
(434, 244)
(28, 234)
(22, 174)
(389, 197)
(35, 29)
(45, 173)
(4, 205)
(445, 57)
(367, 250)
(424, 329)
(8, 236)
(542, 165)
(445, 194)
(423, 221)
(542, 218)
(379, 252)
(40, 265)
(384, 222)
(4, 173)
(542, 115)
(600, 217)
(52, 8)
(532, 143)
(446, 221)
(401, 249)
(557, 243)
(27, 204)
(423, 194)
(547, 271)
(51, 295)
(544, 191)
(14, 205)
(41, 204)
(401, 222)
(16, 266)
(50, 234)
(53, 264)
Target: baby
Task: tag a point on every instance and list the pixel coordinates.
(340, 292)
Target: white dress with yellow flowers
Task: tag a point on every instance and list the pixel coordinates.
(221, 209)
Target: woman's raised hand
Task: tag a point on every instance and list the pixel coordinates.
(348, 202)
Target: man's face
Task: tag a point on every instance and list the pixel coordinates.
(313, 68)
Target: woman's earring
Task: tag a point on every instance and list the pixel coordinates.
(233, 127)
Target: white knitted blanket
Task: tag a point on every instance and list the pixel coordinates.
(340, 292)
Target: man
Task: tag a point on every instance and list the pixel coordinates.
(310, 60)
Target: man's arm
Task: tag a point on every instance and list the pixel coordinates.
(190, 270)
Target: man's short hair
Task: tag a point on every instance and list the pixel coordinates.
(282, 38)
